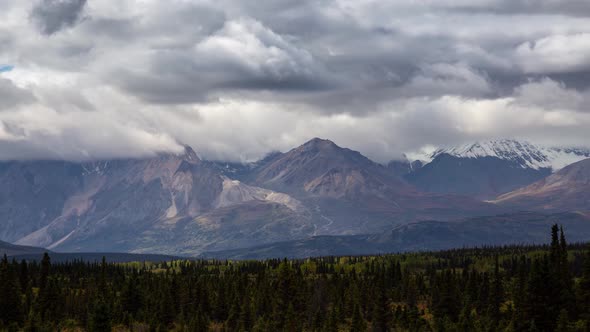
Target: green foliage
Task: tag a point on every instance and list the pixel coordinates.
(100, 318)
(513, 288)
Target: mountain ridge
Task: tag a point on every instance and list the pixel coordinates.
(180, 204)
(522, 153)
(567, 189)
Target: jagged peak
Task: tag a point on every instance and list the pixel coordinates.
(329, 149)
(526, 154)
(189, 154)
(320, 143)
(486, 148)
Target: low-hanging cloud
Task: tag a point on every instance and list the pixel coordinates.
(130, 78)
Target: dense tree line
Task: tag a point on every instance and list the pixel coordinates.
(517, 288)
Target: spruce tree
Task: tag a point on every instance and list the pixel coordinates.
(380, 311)
(10, 299)
(562, 322)
(358, 323)
(584, 288)
(100, 317)
(45, 267)
(496, 294)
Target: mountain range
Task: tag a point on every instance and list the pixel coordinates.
(488, 169)
(179, 204)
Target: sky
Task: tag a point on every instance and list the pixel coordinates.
(94, 79)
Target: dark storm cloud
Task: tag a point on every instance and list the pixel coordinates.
(13, 96)
(352, 60)
(242, 55)
(237, 79)
(54, 15)
(579, 8)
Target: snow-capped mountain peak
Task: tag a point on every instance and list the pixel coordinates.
(525, 154)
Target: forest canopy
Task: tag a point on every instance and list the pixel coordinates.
(515, 288)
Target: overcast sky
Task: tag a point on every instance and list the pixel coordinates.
(85, 79)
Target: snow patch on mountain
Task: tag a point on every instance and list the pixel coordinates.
(525, 154)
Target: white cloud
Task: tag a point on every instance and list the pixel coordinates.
(257, 49)
(555, 53)
(552, 95)
(137, 77)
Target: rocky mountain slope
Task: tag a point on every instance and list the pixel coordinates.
(169, 204)
(566, 190)
(182, 205)
(32, 194)
(349, 194)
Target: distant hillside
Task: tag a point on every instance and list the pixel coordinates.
(97, 257)
(12, 250)
(518, 228)
(566, 190)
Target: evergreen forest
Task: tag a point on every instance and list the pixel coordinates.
(514, 288)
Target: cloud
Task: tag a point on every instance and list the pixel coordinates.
(243, 55)
(552, 95)
(53, 15)
(12, 96)
(238, 79)
(555, 53)
(446, 78)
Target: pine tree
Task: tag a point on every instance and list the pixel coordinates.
(45, 267)
(291, 322)
(332, 321)
(285, 290)
(466, 321)
(23, 274)
(562, 322)
(381, 311)
(166, 312)
(10, 300)
(261, 325)
(245, 319)
(567, 297)
(358, 323)
(50, 303)
(555, 249)
(100, 318)
(199, 323)
(539, 299)
(33, 323)
(496, 294)
(584, 287)
(131, 299)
